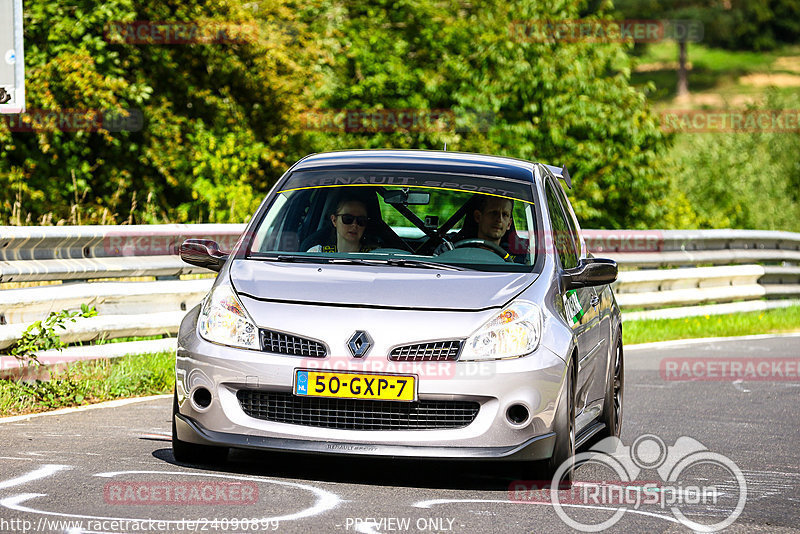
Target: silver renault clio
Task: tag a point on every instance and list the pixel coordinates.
(408, 304)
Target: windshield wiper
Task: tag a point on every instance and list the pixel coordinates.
(290, 258)
(396, 262)
(401, 262)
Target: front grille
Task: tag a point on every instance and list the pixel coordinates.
(349, 414)
(437, 351)
(281, 343)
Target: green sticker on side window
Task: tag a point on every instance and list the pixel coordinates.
(572, 306)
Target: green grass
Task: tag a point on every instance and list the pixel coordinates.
(739, 324)
(713, 69)
(716, 59)
(90, 382)
(121, 340)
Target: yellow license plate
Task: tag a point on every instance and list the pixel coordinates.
(354, 385)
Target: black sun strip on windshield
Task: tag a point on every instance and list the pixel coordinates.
(470, 191)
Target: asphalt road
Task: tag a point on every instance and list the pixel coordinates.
(111, 469)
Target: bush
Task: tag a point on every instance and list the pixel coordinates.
(741, 180)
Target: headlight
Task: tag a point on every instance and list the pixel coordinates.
(514, 332)
(224, 320)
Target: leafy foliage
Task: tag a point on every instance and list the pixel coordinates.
(558, 102)
(730, 24)
(42, 335)
(221, 121)
(744, 179)
(215, 114)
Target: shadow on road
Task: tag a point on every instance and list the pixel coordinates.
(394, 472)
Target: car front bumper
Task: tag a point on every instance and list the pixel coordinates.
(534, 382)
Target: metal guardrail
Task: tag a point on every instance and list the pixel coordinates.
(659, 269)
(50, 253)
(672, 248)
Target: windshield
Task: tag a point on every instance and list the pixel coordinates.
(422, 220)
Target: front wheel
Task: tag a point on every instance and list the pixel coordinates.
(192, 453)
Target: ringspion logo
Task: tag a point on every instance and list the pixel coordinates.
(692, 482)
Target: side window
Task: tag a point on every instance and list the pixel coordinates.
(570, 219)
(562, 239)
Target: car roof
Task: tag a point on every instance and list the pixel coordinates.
(422, 160)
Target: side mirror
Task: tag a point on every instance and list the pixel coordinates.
(203, 253)
(590, 272)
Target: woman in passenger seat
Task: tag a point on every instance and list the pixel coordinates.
(349, 223)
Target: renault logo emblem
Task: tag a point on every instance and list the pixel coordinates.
(359, 344)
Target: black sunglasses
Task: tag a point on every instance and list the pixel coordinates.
(347, 218)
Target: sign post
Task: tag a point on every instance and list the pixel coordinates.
(12, 58)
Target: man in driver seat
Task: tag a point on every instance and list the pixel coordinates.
(493, 217)
(490, 220)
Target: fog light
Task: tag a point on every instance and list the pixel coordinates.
(202, 398)
(517, 414)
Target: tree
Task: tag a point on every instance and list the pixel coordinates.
(676, 14)
(560, 102)
(730, 24)
(214, 114)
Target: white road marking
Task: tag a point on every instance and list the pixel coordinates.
(681, 342)
(37, 474)
(325, 499)
(428, 504)
(367, 528)
(738, 385)
(109, 404)
(15, 458)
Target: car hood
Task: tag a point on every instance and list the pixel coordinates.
(382, 286)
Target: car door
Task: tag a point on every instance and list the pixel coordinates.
(598, 317)
(578, 310)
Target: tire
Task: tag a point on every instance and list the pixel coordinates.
(192, 453)
(615, 389)
(564, 449)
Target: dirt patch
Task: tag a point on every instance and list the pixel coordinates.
(789, 63)
(659, 66)
(767, 80)
(716, 100)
